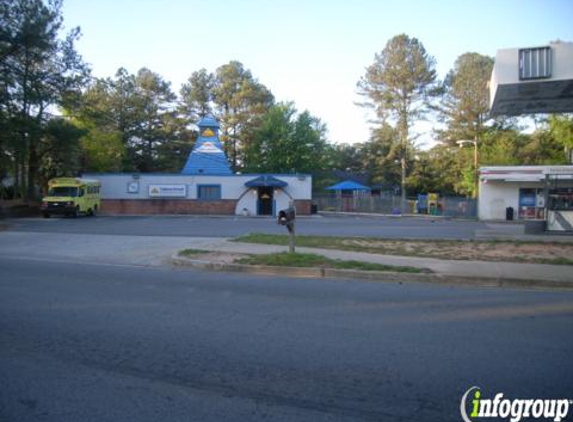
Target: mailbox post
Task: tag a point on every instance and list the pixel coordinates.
(287, 218)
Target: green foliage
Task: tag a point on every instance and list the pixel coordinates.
(382, 154)
(197, 95)
(561, 128)
(464, 105)
(103, 151)
(59, 149)
(192, 252)
(287, 142)
(400, 81)
(39, 69)
(152, 100)
(132, 124)
(346, 157)
(240, 100)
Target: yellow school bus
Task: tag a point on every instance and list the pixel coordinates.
(71, 196)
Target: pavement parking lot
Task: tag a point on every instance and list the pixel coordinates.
(223, 226)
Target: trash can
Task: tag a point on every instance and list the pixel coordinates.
(509, 213)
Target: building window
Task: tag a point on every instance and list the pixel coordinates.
(535, 63)
(210, 192)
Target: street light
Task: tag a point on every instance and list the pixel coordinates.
(461, 143)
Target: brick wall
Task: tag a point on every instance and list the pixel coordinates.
(168, 206)
(303, 206)
(181, 206)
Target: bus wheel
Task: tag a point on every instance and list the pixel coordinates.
(94, 211)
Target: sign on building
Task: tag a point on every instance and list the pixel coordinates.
(167, 191)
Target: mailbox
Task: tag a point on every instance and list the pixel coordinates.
(286, 218)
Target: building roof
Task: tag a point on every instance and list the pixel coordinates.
(208, 121)
(348, 185)
(208, 156)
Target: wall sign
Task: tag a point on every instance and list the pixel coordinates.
(133, 187)
(167, 191)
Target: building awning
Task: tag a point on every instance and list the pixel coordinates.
(348, 185)
(266, 181)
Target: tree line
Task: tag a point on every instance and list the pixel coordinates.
(56, 119)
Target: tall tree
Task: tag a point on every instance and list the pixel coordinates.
(139, 111)
(154, 104)
(39, 69)
(240, 101)
(398, 86)
(465, 103)
(197, 95)
(103, 147)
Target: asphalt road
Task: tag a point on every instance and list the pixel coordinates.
(94, 342)
(392, 227)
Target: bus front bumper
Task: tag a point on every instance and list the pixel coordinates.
(58, 208)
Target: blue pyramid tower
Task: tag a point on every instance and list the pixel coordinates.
(208, 156)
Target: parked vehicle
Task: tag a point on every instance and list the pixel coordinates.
(71, 196)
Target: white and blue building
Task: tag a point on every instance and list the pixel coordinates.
(206, 185)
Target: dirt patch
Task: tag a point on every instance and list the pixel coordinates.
(471, 250)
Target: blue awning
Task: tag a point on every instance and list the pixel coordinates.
(266, 180)
(348, 185)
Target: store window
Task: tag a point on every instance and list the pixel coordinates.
(531, 204)
(211, 192)
(561, 199)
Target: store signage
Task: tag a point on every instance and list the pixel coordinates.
(167, 191)
(208, 148)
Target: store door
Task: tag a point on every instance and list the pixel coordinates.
(265, 201)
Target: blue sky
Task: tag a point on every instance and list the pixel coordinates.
(309, 52)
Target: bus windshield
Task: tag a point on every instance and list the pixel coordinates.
(63, 191)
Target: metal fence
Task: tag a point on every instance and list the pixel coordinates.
(448, 206)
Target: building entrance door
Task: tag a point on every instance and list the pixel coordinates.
(265, 201)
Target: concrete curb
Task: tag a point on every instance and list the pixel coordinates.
(383, 276)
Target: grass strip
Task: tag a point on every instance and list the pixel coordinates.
(191, 252)
(285, 259)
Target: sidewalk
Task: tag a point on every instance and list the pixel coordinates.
(487, 271)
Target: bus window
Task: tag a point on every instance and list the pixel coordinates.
(63, 191)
